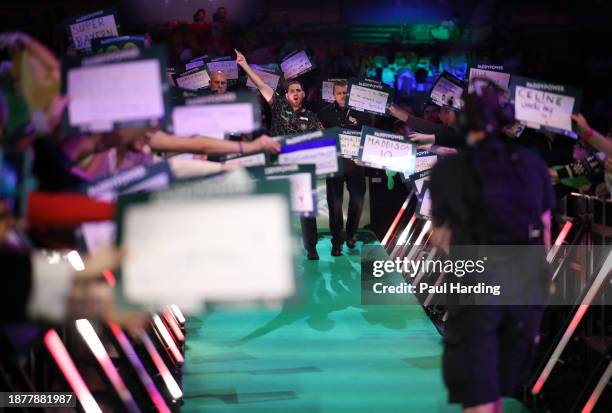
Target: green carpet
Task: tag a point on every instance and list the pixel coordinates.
(327, 354)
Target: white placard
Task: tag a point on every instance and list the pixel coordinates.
(444, 90)
(501, 79)
(349, 145)
(228, 67)
(213, 120)
(295, 65)
(425, 206)
(325, 159)
(176, 251)
(116, 92)
(270, 79)
(194, 64)
(301, 191)
(327, 91)
(538, 107)
(259, 159)
(194, 81)
(363, 98)
(393, 155)
(423, 163)
(84, 31)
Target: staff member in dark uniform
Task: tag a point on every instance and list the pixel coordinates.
(492, 194)
(289, 116)
(338, 114)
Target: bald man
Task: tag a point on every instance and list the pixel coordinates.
(218, 82)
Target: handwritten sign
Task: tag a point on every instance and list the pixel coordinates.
(447, 91)
(493, 73)
(296, 64)
(350, 142)
(424, 161)
(99, 24)
(541, 105)
(225, 65)
(269, 77)
(114, 88)
(117, 43)
(194, 79)
(369, 96)
(203, 268)
(386, 150)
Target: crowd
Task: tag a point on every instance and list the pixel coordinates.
(42, 206)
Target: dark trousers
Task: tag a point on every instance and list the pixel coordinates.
(354, 176)
(309, 232)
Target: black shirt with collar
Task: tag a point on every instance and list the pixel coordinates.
(333, 115)
(286, 122)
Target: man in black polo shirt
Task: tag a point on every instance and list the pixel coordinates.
(338, 114)
(288, 116)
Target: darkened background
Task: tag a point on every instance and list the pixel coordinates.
(556, 40)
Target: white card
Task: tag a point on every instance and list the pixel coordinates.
(537, 107)
(393, 155)
(270, 79)
(295, 65)
(363, 98)
(176, 251)
(84, 31)
(213, 120)
(259, 159)
(194, 81)
(115, 92)
(228, 67)
(325, 159)
(349, 145)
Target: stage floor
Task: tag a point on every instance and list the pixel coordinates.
(330, 354)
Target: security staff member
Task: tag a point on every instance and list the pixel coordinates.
(338, 114)
(492, 194)
(289, 116)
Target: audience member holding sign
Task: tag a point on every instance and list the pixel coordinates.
(288, 116)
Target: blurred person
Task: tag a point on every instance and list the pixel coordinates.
(221, 31)
(431, 112)
(591, 136)
(492, 193)
(218, 83)
(444, 134)
(338, 114)
(289, 116)
(584, 173)
(201, 31)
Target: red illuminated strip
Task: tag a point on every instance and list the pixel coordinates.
(109, 277)
(97, 348)
(176, 329)
(559, 241)
(170, 344)
(584, 305)
(171, 384)
(144, 377)
(395, 222)
(599, 388)
(73, 377)
(178, 314)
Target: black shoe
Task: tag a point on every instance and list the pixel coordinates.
(336, 251)
(351, 242)
(313, 255)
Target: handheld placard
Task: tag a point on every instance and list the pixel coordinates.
(327, 89)
(447, 90)
(368, 95)
(320, 148)
(177, 254)
(216, 115)
(226, 65)
(198, 61)
(424, 161)
(493, 73)
(544, 105)
(270, 74)
(116, 43)
(246, 161)
(83, 29)
(114, 90)
(296, 64)
(193, 79)
(302, 180)
(385, 150)
(350, 141)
